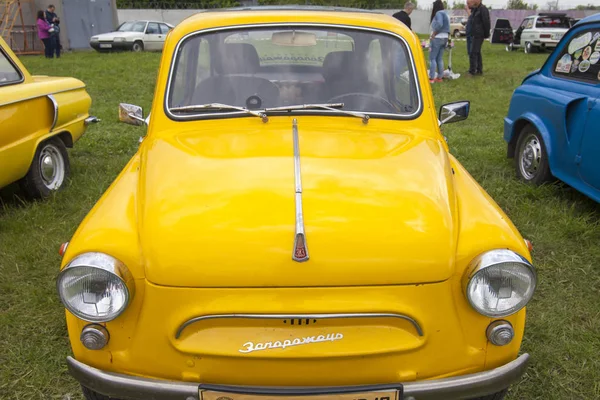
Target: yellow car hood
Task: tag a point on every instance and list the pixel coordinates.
(217, 205)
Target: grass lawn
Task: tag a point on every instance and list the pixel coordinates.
(563, 330)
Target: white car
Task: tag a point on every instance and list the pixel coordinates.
(537, 32)
(133, 35)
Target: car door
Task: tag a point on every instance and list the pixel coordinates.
(18, 130)
(164, 30)
(503, 32)
(153, 38)
(526, 32)
(576, 67)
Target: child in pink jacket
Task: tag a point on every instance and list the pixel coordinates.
(44, 34)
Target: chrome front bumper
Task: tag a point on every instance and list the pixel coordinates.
(132, 387)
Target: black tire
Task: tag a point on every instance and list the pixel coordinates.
(495, 396)
(37, 184)
(456, 34)
(531, 157)
(89, 394)
(137, 47)
(529, 48)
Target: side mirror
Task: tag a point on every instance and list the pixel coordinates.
(131, 114)
(454, 112)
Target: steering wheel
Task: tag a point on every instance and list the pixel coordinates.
(354, 98)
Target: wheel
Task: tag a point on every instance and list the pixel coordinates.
(49, 169)
(495, 396)
(531, 158)
(456, 34)
(89, 394)
(510, 47)
(138, 46)
(529, 48)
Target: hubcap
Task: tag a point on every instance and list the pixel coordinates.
(52, 167)
(531, 157)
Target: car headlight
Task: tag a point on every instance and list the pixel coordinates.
(499, 283)
(119, 39)
(95, 287)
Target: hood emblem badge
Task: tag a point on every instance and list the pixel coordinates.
(249, 347)
(300, 253)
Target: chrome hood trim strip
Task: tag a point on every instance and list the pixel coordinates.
(191, 321)
(300, 251)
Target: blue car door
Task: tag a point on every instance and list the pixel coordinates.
(577, 67)
(589, 161)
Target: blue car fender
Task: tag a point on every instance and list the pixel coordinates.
(513, 130)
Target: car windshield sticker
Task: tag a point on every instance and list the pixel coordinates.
(594, 57)
(587, 52)
(577, 54)
(580, 42)
(584, 66)
(574, 67)
(599, 75)
(596, 36)
(564, 64)
(597, 48)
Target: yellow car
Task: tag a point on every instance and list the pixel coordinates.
(39, 118)
(294, 227)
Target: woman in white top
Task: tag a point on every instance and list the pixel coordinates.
(440, 31)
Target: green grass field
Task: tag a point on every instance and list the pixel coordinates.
(563, 329)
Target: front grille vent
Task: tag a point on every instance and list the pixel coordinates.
(300, 321)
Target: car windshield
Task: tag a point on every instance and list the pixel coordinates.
(133, 26)
(260, 68)
(553, 22)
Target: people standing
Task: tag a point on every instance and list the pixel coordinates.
(404, 14)
(53, 19)
(480, 30)
(468, 28)
(44, 34)
(440, 31)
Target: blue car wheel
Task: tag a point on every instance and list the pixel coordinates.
(531, 159)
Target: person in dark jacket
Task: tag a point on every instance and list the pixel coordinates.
(53, 19)
(404, 15)
(480, 30)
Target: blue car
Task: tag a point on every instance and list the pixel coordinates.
(553, 123)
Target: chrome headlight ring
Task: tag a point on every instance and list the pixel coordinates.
(499, 283)
(95, 287)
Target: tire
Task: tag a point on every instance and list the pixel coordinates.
(531, 158)
(49, 170)
(529, 48)
(495, 396)
(510, 47)
(89, 394)
(137, 47)
(456, 34)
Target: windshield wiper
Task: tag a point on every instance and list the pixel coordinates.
(327, 106)
(218, 106)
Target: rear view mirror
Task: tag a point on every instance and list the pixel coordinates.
(131, 114)
(454, 112)
(294, 38)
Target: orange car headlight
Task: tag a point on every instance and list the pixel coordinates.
(95, 287)
(499, 283)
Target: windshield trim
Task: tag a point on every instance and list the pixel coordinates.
(234, 114)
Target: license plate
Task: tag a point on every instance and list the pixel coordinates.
(105, 45)
(395, 394)
(557, 36)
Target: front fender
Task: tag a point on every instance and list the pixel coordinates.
(513, 128)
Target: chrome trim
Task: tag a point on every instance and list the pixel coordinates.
(37, 96)
(106, 263)
(94, 337)
(191, 321)
(299, 234)
(55, 105)
(418, 110)
(91, 120)
(138, 388)
(489, 259)
(498, 326)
